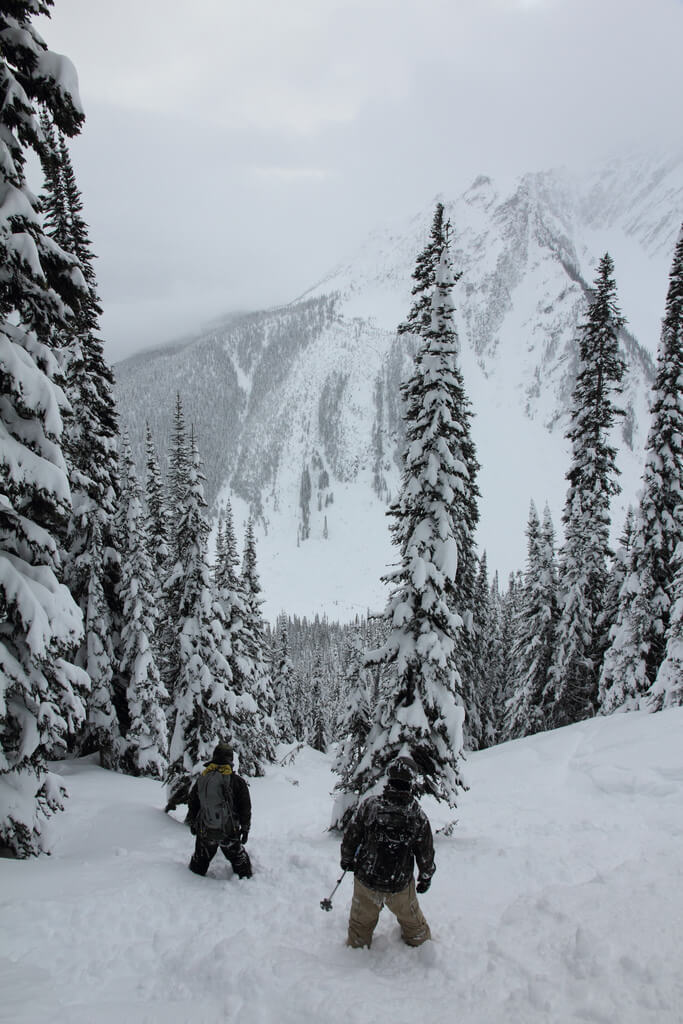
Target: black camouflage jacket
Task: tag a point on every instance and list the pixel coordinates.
(384, 836)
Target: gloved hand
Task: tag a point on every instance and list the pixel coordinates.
(193, 828)
(346, 865)
(244, 836)
(423, 884)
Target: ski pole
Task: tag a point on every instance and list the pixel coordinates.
(327, 903)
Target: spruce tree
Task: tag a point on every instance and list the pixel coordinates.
(284, 683)
(639, 636)
(243, 730)
(252, 654)
(172, 588)
(483, 647)
(497, 681)
(146, 748)
(53, 201)
(667, 689)
(420, 712)
(534, 630)
(582, 632)
(354, 728)
(203, 699)
(619, 569)
(41, 690)
(466, 495)
(427, 262)
(91, 558)
(157, 512)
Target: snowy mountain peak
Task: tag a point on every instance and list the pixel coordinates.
(315, 385)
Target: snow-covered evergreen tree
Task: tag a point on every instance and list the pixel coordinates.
(354, 728)
(496, 667)
(146, 747)
(157, 512)
(179, 462)
(534, 624)
(251, 655)
(581, 638)
(667, 689)
(618, 570)
(319, 732)
(420, 714)
(483, 654)
(466, 494)
(41, 690)
(427, 262)
(172, 589)
(639, 636)
(203, 698)
(244, 729)
(284, 683)
(90, 444)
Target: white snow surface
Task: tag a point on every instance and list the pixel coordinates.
(558, 898)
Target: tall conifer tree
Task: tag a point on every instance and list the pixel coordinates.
(582, 631)
(284, 683)
(252, 653)
(203, 699)
(90, 442)
(41, 690)
(243, 730)
(667, 689)
(534, 628)
(639, 637)
(146, 746)
(420, 711)
(354, 727)
(157, 512)
(466, 495)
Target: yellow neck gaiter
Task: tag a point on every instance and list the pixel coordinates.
(224, 769)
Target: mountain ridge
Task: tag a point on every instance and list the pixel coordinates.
(313, 386)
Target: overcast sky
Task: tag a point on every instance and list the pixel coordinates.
(233, 152)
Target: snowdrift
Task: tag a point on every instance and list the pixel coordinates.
(558, 897)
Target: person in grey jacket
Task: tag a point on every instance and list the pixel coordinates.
(384, 839)
(219, 814)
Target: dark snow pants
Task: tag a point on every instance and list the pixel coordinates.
(365, 910)
(205, 850)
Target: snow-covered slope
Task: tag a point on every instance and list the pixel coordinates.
(314, 385)
(559, 897)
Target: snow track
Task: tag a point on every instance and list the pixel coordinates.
(559, 898)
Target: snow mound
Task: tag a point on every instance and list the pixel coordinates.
(558, 897)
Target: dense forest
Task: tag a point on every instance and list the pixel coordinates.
(119, 635)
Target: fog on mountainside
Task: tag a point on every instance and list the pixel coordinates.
(310, 391)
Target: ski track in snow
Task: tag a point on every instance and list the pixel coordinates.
(558, 898)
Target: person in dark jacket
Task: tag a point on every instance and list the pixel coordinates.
(219, 814)
(385, 837)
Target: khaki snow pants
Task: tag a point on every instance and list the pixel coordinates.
(365, 910)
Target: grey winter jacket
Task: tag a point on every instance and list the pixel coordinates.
(236, 792)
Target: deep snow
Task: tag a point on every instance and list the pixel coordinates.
(559, 897)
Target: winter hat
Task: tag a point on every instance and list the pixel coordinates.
(223, 754)
(402, 770)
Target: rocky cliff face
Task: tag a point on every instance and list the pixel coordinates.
(297, 409)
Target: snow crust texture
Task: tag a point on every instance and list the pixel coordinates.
(558, 898)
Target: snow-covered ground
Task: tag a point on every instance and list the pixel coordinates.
(559, 897)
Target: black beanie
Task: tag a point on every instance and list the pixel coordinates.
(223, 754)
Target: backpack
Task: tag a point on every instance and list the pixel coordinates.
(216, 818)
(390, 830)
